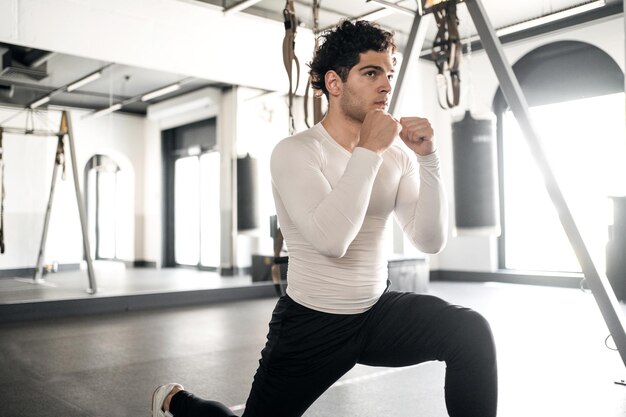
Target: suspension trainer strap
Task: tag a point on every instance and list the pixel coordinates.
(447, 55)
(317, 98)
(60, 156)
(289, 56)
(63, 131)
(1, 195)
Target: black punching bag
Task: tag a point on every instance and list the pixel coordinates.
(616, 249)
(475, 177)
(246, 193)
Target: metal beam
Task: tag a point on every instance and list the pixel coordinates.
(406, 57)
(414, 43)
(598, 283)
(38, 275)
(66, 126)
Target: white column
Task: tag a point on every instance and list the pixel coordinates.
(227, 145)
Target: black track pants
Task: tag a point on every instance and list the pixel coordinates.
(307, 351)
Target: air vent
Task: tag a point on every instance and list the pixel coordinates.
(7, 91)
(14, 70)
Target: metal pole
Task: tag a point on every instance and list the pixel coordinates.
(38, 275)
(66, 125)
(406, 57)
(599, 285)
(415, 42)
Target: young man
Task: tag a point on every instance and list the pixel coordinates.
(335, 185)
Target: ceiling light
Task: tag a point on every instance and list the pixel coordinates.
(108, 110)
(160, 92)
(240, 6)
(529, 24)
(394, 6)
(376, 14)
(40, 102)
(91, 77)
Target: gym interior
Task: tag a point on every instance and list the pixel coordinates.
(138, 231)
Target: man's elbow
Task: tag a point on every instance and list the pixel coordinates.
(432, 249)
(432, 246)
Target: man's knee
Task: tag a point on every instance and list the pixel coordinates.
(475, 338)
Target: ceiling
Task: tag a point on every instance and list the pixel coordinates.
(28, 74)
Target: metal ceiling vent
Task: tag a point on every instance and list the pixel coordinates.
(24, 63)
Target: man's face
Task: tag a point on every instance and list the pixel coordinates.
(368, 85)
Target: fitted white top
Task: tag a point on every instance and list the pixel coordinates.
(333, 206)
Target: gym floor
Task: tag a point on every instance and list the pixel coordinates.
(551, 346)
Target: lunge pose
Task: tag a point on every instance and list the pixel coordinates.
(335, 185)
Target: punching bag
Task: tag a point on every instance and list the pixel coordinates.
(246, 193)
(475, 177)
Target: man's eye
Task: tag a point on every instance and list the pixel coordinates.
(390, 77)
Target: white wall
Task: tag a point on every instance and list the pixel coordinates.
(29, 163)
(169, 35)
(262, 123)
(149, 240)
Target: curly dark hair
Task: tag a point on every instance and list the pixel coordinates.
(340, 49)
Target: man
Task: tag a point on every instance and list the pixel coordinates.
(335, 185)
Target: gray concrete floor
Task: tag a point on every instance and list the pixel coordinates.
(551, 346)
(120, 289)
(113, 279)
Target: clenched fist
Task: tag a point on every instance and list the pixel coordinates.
(417, 133)
(378, 131)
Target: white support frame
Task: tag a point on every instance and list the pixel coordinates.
(65, 129)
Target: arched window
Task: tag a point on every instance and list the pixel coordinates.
(575, 92)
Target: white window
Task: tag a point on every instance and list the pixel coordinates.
(584, 143)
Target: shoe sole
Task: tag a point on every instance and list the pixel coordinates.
(153, 395)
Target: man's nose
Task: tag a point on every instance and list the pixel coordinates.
(385, 86)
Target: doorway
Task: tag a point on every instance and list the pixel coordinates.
(192, 196)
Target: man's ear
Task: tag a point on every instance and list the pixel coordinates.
(333, 82)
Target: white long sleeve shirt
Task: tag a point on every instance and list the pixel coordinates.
(333, 206)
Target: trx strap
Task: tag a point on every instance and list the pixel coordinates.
(317, 98)
(1, 196)
(289, 56)
(60, 156)
(447, 55)
(63, 130)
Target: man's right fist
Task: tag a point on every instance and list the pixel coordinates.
(378, 131)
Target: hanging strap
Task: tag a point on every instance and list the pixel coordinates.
(1, 195)
(447, 55)
(317, 98)
(289, 56)
(60, 157)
